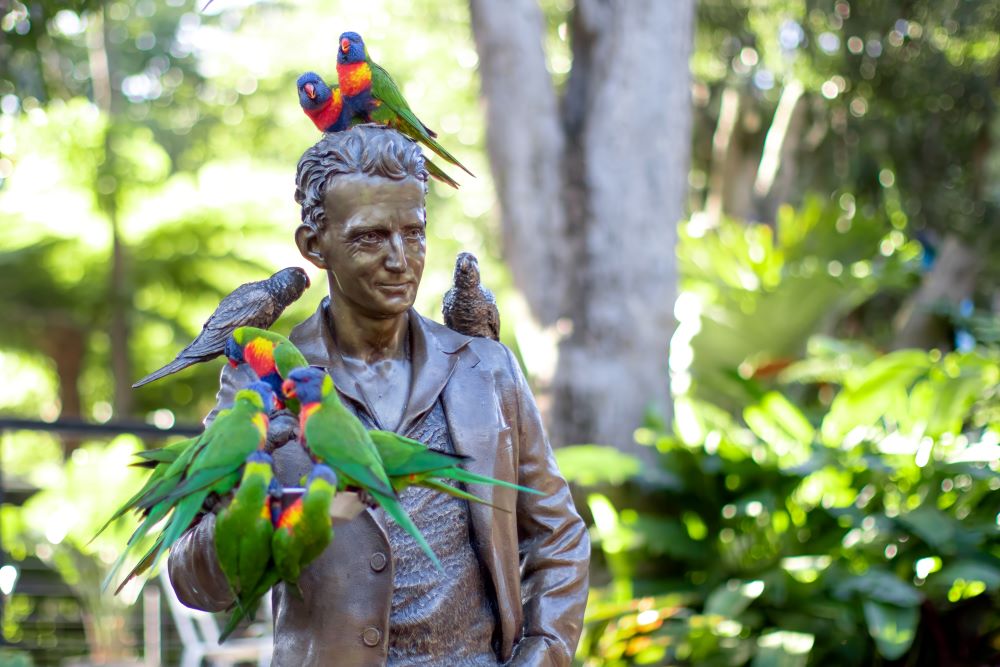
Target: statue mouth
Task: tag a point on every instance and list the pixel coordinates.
(394, 287)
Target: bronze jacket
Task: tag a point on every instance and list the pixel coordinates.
(537, 554)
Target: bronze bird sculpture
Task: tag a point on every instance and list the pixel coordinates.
(469, 308)
(257, 304)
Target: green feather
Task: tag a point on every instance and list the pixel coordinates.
(396, 113)
(243, 530)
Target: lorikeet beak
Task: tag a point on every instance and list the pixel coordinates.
(288, 388)
(232, 362)
(310, 90)
(345, 45)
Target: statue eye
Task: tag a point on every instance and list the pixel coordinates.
(368, 238)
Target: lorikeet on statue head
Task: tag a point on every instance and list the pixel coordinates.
(321, 103)
(333, 435)
(371, 96)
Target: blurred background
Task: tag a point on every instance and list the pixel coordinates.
(746, 252)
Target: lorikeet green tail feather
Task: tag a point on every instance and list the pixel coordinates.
(246, 607)
(409, 462)
(439, 173)
(168, 454)
(159, 472)
(210, 465)
(458, 493)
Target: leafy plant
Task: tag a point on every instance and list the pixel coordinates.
(866, 533)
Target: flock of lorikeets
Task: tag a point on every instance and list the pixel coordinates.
(260, 542)
(260, 538)
(367, 94)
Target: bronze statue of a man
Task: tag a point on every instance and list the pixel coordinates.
(514, 585)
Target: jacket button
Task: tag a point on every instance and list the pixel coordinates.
(371, 636)
(378, 561)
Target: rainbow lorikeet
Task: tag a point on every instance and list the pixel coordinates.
(247, 601)
(305, 527)
(209, 465)
(334, 436)
(325, 107)
(243, 529)
(322, 103)
(302, 531)
(257, 304)
(410, 463)
(269, 355)
(370, 94)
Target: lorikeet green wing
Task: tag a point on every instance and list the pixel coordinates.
(336, 437)
(243, 530)
(391, 109)
(305, 528)
(154, 479)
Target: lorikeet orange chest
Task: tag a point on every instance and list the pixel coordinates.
(329, 117)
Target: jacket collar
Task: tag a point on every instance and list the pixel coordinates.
(433, 355)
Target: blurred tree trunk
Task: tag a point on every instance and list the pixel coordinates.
(591, 188)
(106, 187)
(65, 343)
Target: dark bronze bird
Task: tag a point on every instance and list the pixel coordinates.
(469, 308)
(258, 304)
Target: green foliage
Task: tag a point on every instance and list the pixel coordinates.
(752, 294)
(868, 529)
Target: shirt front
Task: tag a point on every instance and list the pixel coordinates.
(436, 618)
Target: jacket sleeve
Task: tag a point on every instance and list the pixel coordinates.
(194, 569)
(554, 545)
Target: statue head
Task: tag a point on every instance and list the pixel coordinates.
(363, 217)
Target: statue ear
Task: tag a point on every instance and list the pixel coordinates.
(307, 239)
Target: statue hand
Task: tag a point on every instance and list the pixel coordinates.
(284, 428)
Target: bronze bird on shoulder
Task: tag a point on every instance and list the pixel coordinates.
(469, 308)
(257, 304)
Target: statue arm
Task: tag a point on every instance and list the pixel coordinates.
(554, 544)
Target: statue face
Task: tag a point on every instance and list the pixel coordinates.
(373, 244)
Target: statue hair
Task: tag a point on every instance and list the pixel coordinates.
(373, 150)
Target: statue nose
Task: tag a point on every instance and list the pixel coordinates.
(396, 257)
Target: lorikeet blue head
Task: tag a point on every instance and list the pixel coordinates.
(306, 384)
(352, 49)
(266, 394)
(258, 456)
(234, 352)
(322, 472)
(313, 91)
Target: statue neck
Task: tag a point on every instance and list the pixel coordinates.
(368, 339)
